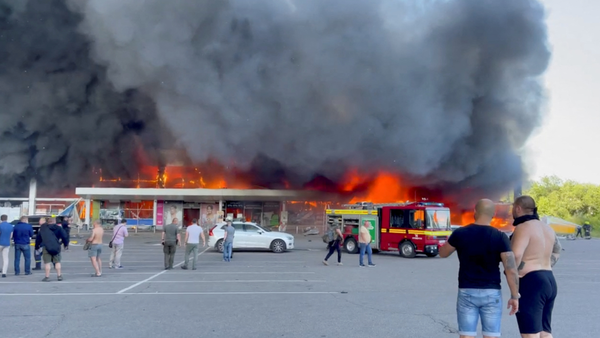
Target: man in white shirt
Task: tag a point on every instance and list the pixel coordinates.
(193, 234)
(364, 243)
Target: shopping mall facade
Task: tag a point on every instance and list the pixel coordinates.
(158, 207)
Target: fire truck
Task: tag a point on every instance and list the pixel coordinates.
(408, 228)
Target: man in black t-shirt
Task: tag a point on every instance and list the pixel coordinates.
(480, 249)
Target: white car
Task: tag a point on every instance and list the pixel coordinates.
(251, 236)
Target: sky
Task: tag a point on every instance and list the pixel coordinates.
(567, 143)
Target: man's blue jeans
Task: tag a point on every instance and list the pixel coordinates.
(475, 304)
(227, 249)
(365, 247)
(25, 249)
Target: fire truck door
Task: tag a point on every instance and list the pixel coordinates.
(416, 225)
(393, 230)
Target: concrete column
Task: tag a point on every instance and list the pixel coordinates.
(87, 212)
(32, 196)
(154, 215)
(220, 205)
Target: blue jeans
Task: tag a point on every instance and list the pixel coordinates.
(473, 304)
(227, 249)
(25, 249)
(365, 247)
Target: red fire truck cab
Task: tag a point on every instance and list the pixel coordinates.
(408, 228)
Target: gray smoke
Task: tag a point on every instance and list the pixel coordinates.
(60, 118)
(443, 92)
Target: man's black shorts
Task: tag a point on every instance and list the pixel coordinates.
(538, 291)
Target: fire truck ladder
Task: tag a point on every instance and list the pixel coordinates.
(368, 206)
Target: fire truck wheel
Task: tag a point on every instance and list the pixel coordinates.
(407, 250)
(278, 246)
(219, 246)
(350, 246)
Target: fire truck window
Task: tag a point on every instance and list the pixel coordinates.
(396, 218)
(417, 219)
(438, 219)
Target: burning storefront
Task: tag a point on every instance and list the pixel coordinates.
(157, 207)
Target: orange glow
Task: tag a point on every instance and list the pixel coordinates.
(384, 188)
(181, 177)
(353, 180)
(502, 220)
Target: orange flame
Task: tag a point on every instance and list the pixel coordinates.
(502, 220)
(383, 188)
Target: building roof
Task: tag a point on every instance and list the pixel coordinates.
(199, 195)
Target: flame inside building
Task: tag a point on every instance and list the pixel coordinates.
(354, 187)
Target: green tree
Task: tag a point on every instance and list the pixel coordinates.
(569, 200)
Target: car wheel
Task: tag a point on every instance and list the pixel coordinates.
(350, 246)
(407, 250)
(278, 246)
(219, 246)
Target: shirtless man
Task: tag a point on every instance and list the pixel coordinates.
(536, 250)
(96, 248)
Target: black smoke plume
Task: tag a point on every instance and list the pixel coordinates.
(443, 92)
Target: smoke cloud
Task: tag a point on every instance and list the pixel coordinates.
(61, 120)
(443, 92)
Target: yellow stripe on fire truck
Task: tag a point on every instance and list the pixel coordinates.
(350, 212)
(417, 232)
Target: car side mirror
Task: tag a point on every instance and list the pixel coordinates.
(260, 232)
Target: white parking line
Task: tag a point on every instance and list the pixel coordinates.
(178, 281)
(154, 276)
(253, 273)
(188, 273)
(173, 293)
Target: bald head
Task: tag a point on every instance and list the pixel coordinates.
(485, 207)
(525, 202)
(524, 205)
(485, 210)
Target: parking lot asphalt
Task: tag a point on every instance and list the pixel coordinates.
(262, 294)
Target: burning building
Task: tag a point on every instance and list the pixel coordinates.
(384, 99)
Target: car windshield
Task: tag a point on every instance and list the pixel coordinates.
(438, 219)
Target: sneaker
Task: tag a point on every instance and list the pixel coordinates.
(59, 278)
(110, 267)
(119, 267)
(184, 267)
(16, 274)
(46, 279)
(325, 262)
(3, 275)
(340, 264)
(371, 265)
(27, 273)
(361, 265)
(193, 268)
(36, 269)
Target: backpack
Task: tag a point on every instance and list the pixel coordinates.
(50, 241)
(328, 237)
